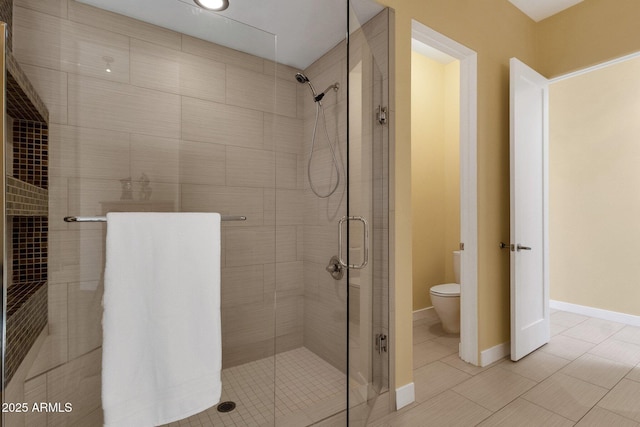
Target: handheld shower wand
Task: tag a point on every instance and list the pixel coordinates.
(317, 98)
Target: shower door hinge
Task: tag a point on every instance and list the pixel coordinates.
(381, 115)
(381, 343)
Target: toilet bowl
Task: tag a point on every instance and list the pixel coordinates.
(446, 300)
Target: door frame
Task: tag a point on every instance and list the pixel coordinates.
(468, 182)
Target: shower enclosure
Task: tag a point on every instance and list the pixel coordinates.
(146, 113)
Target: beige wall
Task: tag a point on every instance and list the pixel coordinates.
(435, 190)
(591, 32)
(588, 33)
(496, 31)
(594, 176)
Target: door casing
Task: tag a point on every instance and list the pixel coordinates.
(468, 183)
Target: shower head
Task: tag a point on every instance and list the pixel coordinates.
(301, 78)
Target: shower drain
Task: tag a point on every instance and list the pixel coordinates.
(226, 406)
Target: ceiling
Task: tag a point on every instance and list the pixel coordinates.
(542, 9)
(293, 32)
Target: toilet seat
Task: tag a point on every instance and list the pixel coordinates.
(446, 290)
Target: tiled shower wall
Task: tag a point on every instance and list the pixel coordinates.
(26, 210)
(199, 121)
(325, 314)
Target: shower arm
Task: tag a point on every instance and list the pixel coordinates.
(318, 98)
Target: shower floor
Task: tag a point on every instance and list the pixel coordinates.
(307, 390)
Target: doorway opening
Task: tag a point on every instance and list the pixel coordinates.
(459, 219)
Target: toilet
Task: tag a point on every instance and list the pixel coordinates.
(446, 300)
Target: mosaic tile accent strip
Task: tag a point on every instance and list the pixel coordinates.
(6, 15)
(26, 317)
(23, 102)
(31, 152)
(25, 199)
(29, 244)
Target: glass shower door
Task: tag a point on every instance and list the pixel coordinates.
(146, 118)
(367, 217)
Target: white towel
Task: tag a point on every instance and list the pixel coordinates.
(161, 353)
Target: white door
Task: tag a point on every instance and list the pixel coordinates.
(529, 144)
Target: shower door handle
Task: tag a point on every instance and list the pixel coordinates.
(365, 242)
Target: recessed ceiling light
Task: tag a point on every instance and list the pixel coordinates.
(213, 4)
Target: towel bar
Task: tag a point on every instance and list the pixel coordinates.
(104, 218)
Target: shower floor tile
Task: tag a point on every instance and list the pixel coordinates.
(307, 389)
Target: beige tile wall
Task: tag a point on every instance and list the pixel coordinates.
(201, 121)
(325, 314)
(214, 130)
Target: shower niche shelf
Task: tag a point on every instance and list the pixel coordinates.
(26, 215)
(24, 199)
(23, 102)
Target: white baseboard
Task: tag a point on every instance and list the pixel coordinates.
(495, 353)
(405, 395)
(598, 313)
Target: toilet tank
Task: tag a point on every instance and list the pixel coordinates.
(456, 266)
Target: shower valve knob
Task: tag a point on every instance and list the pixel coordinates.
(334, 268)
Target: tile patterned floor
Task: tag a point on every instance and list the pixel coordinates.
(588, 375)
(307, 390)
